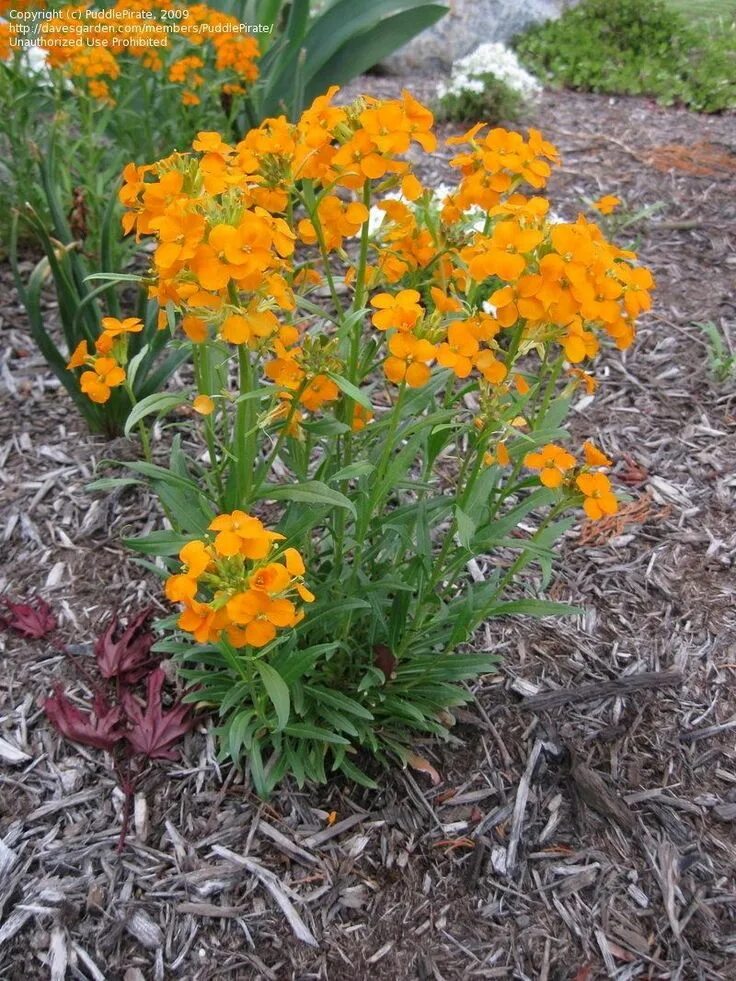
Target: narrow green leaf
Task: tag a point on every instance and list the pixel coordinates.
(309, 492)
(277, 691)
(338, 700)
(352, 391)
(303, 731)
(158, 404)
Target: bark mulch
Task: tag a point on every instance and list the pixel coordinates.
(582, 828)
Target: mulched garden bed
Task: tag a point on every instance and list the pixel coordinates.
(583, 827)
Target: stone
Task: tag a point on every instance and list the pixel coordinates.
(467, 24)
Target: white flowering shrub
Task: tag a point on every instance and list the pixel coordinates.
(490, 83)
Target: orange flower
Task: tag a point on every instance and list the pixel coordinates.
(336, 220)
(204, 405)
(180, 589)
(607, 204)
(80, 356)
(320, 390)
(579, 343)
(459, 349)
(272, 578)
(195, 328)
(411, 188)
(115, 327)
(493, 370)
(594, 457)
(361, 417)
(260, 615)
(249, 327)
(105, 375)
(500, 457)
(552, 462)
(409, 361)
(504, 254)
(201, 620)
(401, 310)
(241, 534)
(599, 498)
(195, 558)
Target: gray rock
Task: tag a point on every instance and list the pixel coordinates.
(467, 24)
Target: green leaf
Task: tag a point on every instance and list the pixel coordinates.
(158, 404)
(114, 277)
(352, 772)
(343, 22)
(158, 543)
(277, 690)
(337, 700)
(154, 472)
(308, 492)
(303, 731)
(359, 469)
(292, 664)
(237, 732)
(352, 391)
(257, 772)
(111, 483)
(466, 528)
(370, 47)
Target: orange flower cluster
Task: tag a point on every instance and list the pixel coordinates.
(557, 468)
(202, 39)
(238, 583)
(247, 233)
(105, 369)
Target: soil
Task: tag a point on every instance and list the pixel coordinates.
(592, 839)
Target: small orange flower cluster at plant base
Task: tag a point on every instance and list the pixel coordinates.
(105, 369)
(250, 586)
(557, 467)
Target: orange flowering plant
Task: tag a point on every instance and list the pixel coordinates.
(381, 374)
(86, 86)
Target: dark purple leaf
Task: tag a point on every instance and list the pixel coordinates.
(384, 660)
(125, 653)
(152, 729)
(34, 619)
(100, 728)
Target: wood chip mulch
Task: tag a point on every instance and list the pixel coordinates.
(584, 825)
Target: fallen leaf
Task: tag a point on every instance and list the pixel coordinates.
(100, 728)
(154, 730)
(125, 654)
(424, 766)
(584, 973)
(632, 473)
(384, 660)
(34, 620)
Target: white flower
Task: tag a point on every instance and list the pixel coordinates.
(490, 59)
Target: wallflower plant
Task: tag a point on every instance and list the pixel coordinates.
(78, 103)
(375, 405)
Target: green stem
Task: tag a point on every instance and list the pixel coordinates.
(142, 430)
(265, 467)
(244, 448)
(202, 375)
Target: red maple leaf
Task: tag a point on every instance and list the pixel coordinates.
(154, 730)
(32, 620)
(125, 654)
(100, 728)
